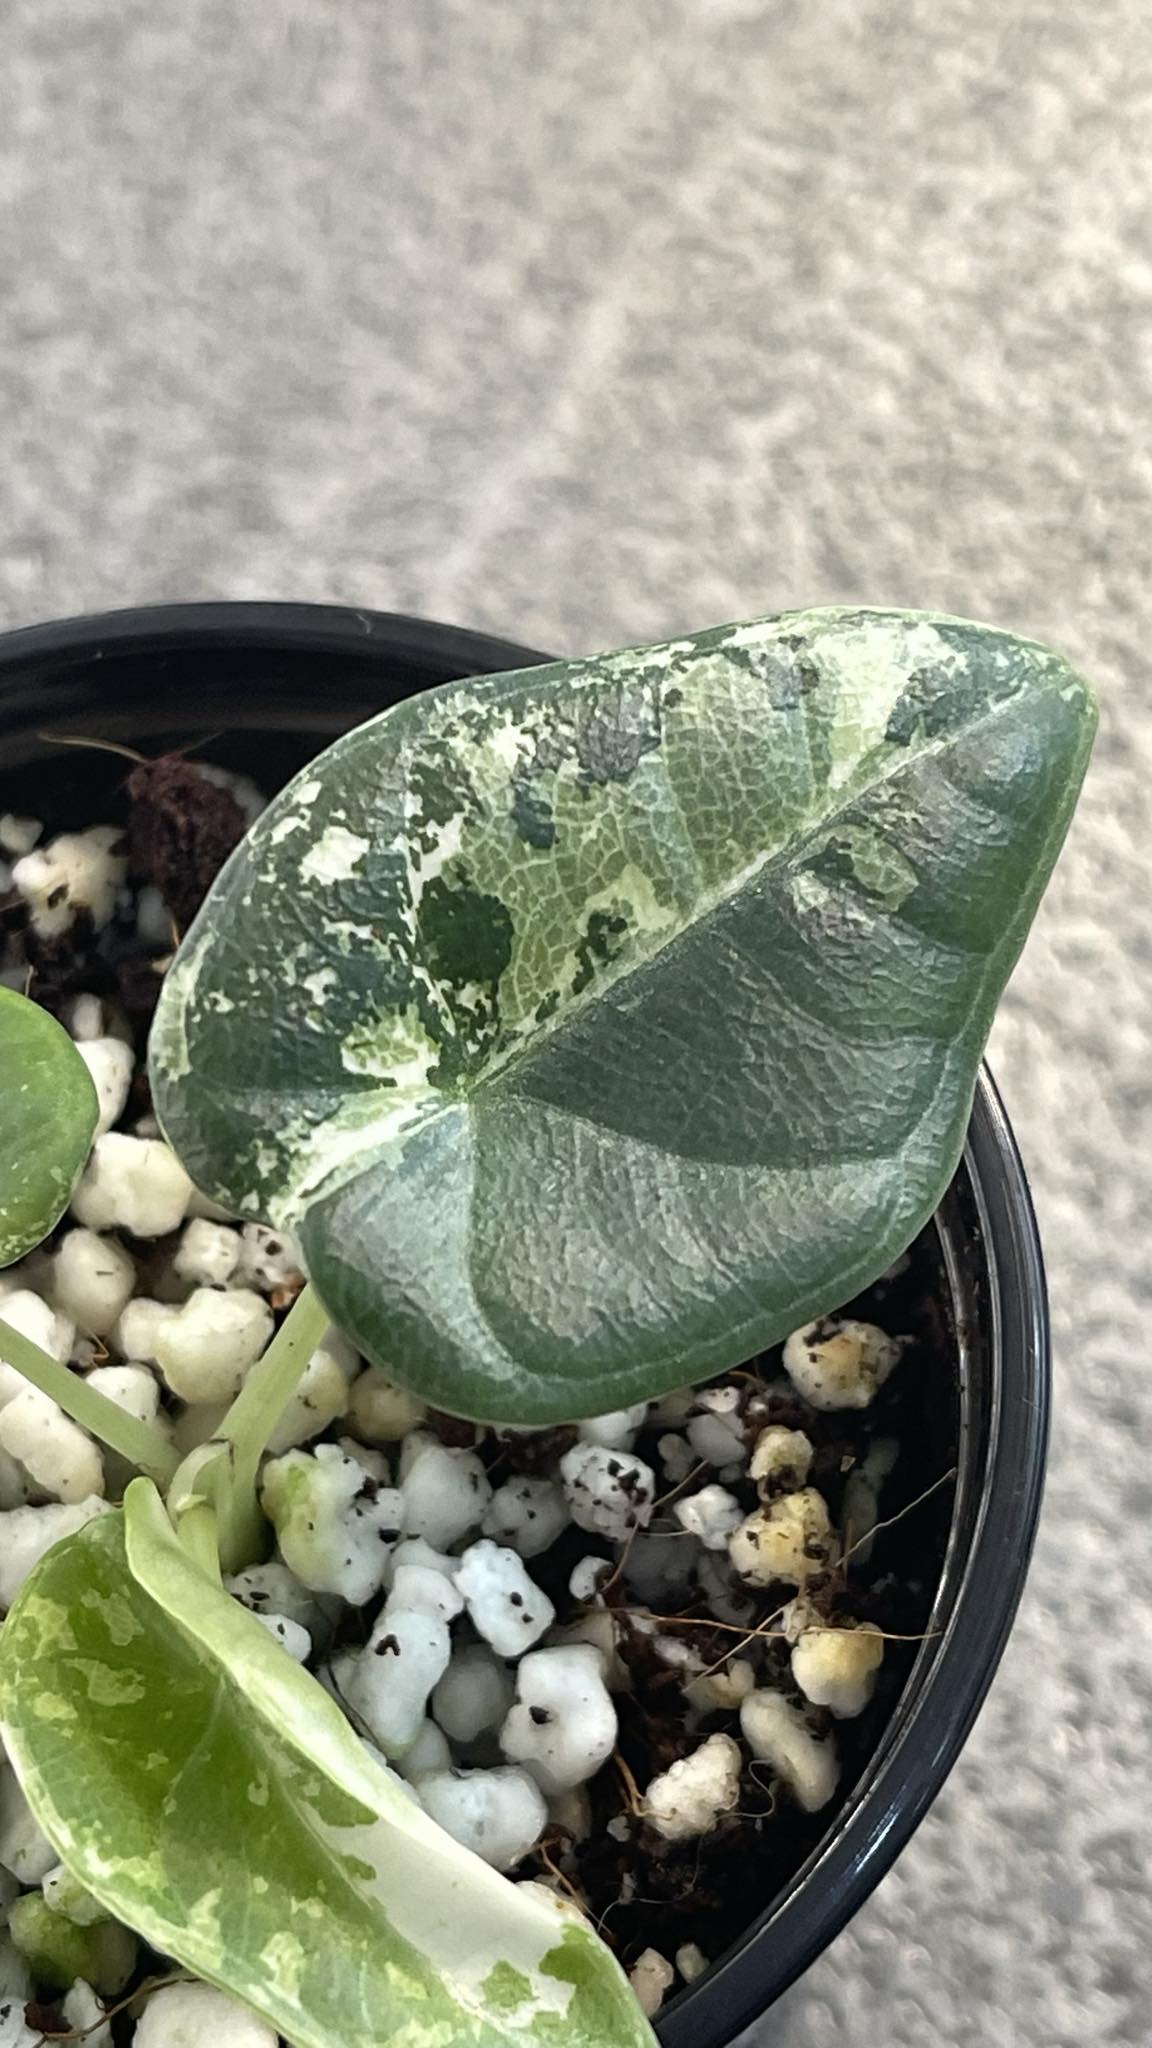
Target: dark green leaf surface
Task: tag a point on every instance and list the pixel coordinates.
(597, 1024)
(210, 1793)
(48, 1114)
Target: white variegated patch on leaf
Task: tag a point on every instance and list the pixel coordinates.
(212, 1795)
(596, 1024)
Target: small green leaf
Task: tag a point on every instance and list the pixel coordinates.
(212, 1795)
(597, 1024)
(48, 1113)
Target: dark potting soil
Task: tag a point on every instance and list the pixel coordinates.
(639, 1889)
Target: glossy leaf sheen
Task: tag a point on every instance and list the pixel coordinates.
(211, 1794)
(596, 1024)
(48, 1113)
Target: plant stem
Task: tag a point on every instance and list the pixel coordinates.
(137, 1441)
(229, 1478)
(272, 1382)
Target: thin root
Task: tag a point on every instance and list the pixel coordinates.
(675, 1491)
(891, 1520)
(621, 1561)
(149, 1985)
(632, 1791)
(77, 739)
(554, 1871)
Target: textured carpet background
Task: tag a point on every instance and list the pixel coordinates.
(593, 322)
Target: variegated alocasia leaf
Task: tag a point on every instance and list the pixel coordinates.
(48, 1113)
(598, 1023)
(211, 1794)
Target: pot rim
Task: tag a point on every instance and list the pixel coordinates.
(993, 1259)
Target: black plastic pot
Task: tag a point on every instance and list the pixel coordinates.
(276, 681)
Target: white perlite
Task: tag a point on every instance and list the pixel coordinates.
(77, 871)
(718, 1439)
(609, 1493)
(208, 1346)
(137, 1332)
(19, 835)
(132, 1184)
(691, 1961)
(781, 1460)
(380, 1411)
(474, 1694)
(110, 1062)
(563, 1726)
(67, 1896)
(837, 1668)
(713, 1515)
(587, 1576)
(288, 1634)
(428, 1752)
(275, 1590)
(368, 1458)
(388, 1682)
(677, 1457)
(721, 1690)
(505, 1606)
(778, 1734)
(16, 1487)
(651, 1977)
(92, 1280)
(54, 1451)
(321, 1397)
(446, 1492)
(28, 1534)
(155, 927)
(790, 1539)
(84, 2013)
(499, 1814)
(207, 1254)
(414, 1550)
(527, 1515)
(695, 1792)
(423, 1589)
(596, 1630)
(838, 1362)
(31, 1317)
(267, 1259)
(614, 1431)
(84, 1018)
(272, 1589)
(132, 1387)
(333, 1524)
(861, 1509)
(199, 2016)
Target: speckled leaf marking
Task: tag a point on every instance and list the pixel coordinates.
(597, 1023)
(48, 1114)
(213, 1796)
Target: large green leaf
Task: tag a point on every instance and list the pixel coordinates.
(211, 1794)
(598, 1023)
(48, 1113)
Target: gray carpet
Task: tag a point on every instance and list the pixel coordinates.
(593, 321)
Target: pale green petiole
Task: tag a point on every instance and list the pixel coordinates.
(223, 1472)
(198, 1534)
(272, 1382)
(199, 1506)
(137, 1441)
